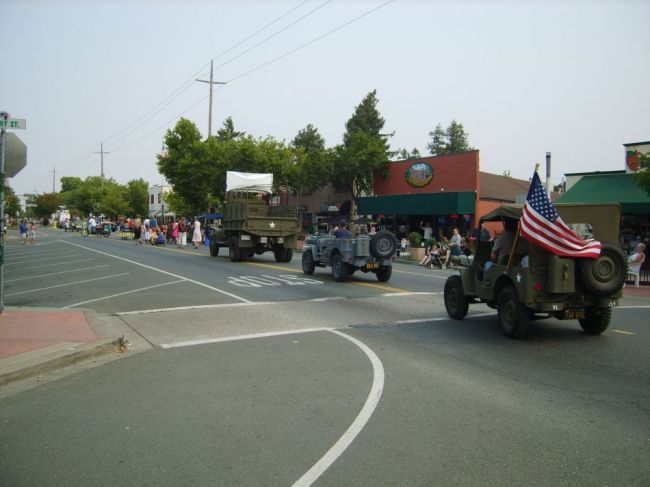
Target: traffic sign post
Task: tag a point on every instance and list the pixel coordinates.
(6, 122)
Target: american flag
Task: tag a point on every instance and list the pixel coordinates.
(542, 225)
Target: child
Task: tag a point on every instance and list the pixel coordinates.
(32, 233)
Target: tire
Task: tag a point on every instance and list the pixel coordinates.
(279, 253)
(514, 317)
(605, 275)
(339, 268)
(288, 255)
(214, 249)
(383, 245)
(308, 264)
(596, 320)
(234, 252)
(384, 273)
(351, 270)
(84, 233)
(456, 303)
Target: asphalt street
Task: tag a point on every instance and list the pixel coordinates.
(260, 375)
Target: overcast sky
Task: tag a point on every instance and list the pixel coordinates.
(522, 77)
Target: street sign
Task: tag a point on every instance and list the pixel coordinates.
(16, 156)
(13, 123)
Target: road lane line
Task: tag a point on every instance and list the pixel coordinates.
(276, 267)
(359, 422)
(198, 283)
(50, 265)
(198, 306)
(622, 332)
(411, 293)
(56, 273)
(632, 307)
(234, 338)
(124, 293)
(377, 286)
(439, 318)
(37, 260)
(420, 274)
(67, 284)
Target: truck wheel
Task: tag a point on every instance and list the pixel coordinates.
(514, 317)
(339, 268)
(288, 255)
(384, 273)
(596, 320)
(308, 264)
(234, 252)
(278, 253)
(214, 249)
(456, 302)
(605, 275)
(383, 244)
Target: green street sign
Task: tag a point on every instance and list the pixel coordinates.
(13, 123)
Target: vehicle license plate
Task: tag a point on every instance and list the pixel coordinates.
(372, 265)
(573, 314)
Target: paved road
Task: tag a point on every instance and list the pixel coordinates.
(346, 384)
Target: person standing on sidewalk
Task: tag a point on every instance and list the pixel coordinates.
(182, 232)
(23, 232)
(196, 235)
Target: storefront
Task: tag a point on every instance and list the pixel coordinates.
(446, 191)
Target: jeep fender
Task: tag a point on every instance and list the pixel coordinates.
(467, 279)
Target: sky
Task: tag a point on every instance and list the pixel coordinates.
(524, 78)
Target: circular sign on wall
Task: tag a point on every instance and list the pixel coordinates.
(419, 174)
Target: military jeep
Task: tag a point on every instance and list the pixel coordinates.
(533, 283)
(366, 253)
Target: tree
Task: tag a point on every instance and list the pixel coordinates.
(228, 131)
(47, 203)
(136, 194)
(309, 140)
(12, 203)
(643, 175)
(506, 173)
(364, 149)
(450, 141)
(404, 154)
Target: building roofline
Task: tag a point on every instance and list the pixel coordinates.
(593, 173)
(637, 143)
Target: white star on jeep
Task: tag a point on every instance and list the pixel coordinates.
(518, 278)
(272, 224)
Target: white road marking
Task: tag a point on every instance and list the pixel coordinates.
(56, 273)
(37, 260)
(198, 306)
(198, 283)
(359, 422)
(68, 284)
(420, 274)
(409, 293)
(331, 298)
(631, 307)
(439, 318)
(50, 265)
(124, 293)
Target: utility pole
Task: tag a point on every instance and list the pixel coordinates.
(211, 82)
(101, 173)
(54, 179)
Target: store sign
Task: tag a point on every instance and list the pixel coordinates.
(419, 174)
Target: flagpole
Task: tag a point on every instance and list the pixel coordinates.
(514, 244)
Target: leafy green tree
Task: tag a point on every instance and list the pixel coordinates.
(309, 140)
(70, 183)
(47, 203)
(136, 194)
(228, 131)
(113, 201)
(643, 175)
(12, 203)
(450, 141)
(364, 149)
(404, 154)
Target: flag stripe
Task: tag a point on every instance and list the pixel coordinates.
(536, 224)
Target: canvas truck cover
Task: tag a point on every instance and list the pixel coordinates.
(248, 181)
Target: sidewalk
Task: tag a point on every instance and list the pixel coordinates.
(34, 341)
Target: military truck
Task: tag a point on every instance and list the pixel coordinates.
(346, 255)
(255, 219)
(534, 283)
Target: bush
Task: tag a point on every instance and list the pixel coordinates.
(415, 238)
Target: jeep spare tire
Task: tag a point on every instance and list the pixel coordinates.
(383, 244)
(605, 275)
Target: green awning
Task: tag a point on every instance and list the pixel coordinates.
(609, 188)
(462, 202)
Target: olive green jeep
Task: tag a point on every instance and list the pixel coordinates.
(532, 283)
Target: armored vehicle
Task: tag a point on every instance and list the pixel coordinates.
(255, 220)
(533, 283)
(366, 253)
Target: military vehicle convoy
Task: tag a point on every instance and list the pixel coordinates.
(366, 253)
(255, 220)
(535, 283)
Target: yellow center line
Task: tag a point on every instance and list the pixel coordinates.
(276, 267)
(379, 286)
(622, 332)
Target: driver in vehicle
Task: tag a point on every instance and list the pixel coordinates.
(343, 231)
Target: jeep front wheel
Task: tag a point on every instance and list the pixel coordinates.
(514, 316)
(596, 320)
(456, 302)
(384, 273)
(234, 252)
(339, 268)
(308, 264)
(214, 249)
